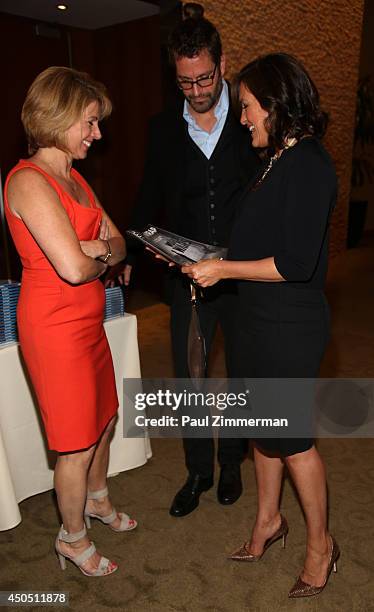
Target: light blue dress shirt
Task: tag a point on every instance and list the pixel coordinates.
(206, 141)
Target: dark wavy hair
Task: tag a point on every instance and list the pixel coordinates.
(191, 37)
(285, 90)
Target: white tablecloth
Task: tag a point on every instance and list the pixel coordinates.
(26, 466)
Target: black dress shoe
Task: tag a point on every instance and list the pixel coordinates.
(230, 484)
(187, 499)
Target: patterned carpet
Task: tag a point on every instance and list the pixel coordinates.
(180, 565)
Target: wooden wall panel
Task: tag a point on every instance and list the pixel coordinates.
(126, 58)
(24, 55)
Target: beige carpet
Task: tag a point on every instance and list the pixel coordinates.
(180, 565)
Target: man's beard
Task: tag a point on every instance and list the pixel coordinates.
(205, 101)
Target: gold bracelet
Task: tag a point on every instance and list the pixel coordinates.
(108, 253)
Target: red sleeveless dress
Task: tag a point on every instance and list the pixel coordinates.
(61, 332)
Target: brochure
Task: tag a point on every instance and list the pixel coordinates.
(175, 248)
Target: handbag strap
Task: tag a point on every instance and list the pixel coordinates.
(193, 293)
(196, 292)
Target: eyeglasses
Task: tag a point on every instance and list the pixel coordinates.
(203, 81)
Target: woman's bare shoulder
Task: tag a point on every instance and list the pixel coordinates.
(28, 180)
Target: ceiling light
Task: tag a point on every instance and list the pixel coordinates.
(62, 7)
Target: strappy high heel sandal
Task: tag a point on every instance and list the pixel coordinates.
(78, 560)
(243, 554)
(127, 523)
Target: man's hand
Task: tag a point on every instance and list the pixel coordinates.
(124, 278)
(120, 274)
(160, 257)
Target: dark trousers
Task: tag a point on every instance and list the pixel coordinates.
(217, 306)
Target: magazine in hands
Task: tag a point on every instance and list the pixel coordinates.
(178, 249)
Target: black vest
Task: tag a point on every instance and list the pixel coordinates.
(211, 187)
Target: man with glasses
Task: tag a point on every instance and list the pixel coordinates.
(198, 161)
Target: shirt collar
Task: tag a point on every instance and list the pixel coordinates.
(220, 108)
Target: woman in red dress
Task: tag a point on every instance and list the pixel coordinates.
(66, 241)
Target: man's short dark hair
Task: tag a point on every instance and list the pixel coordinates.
(191, 37)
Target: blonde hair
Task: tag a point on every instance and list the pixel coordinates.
(55, 101)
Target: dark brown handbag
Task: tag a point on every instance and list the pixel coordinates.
(196, 351)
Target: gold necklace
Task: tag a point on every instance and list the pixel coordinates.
(272, 161)
(290, 142)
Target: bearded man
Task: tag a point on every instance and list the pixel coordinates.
(197, 164)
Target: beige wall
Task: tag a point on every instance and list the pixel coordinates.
(325, 35)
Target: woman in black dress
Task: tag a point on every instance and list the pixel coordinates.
(278, 253)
